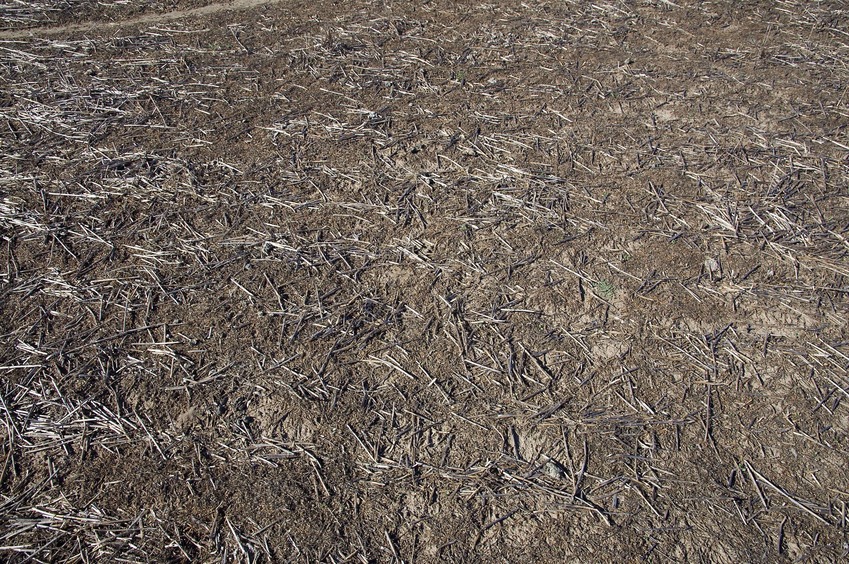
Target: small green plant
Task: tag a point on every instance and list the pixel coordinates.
(605, 289)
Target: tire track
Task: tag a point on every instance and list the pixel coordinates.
(138, 20)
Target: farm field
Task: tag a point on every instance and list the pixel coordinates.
(287, 281)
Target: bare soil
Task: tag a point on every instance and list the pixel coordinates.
(453, 282)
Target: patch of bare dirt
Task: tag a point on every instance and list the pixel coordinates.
(31, 17)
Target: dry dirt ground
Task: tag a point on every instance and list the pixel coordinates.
(424, 282)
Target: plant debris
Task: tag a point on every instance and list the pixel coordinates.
(539, 282)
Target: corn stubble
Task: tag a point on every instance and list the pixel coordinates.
(454, 282)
